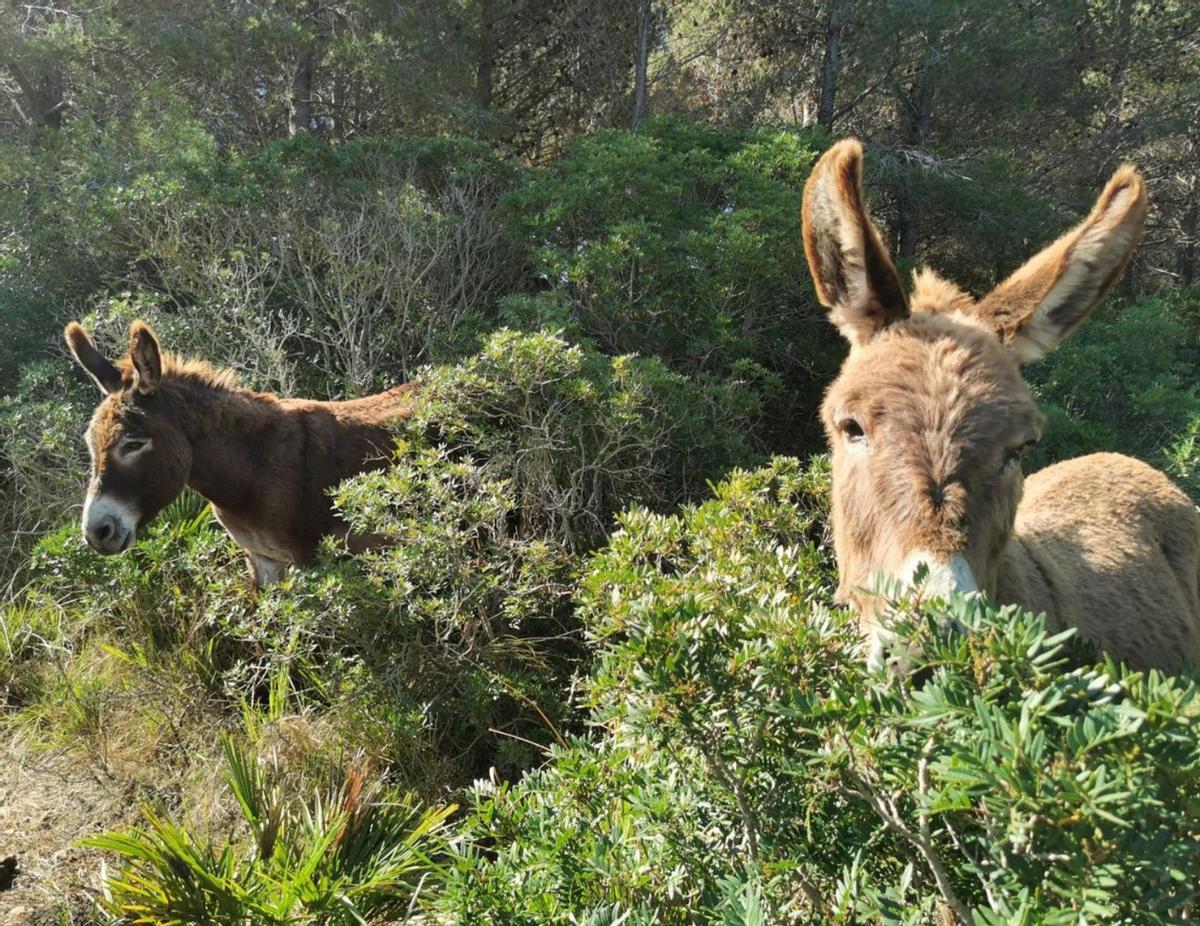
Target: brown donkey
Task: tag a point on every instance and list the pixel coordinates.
(265, 463)
(929, 415)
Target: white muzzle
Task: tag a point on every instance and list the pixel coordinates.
(109, 526)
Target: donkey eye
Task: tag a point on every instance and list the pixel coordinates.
(852, 430)
(133, 445)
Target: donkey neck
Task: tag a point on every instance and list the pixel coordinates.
(232, 432)
(1027, 577)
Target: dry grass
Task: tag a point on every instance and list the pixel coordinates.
(84, 760)
(51, 797)
(49, 800)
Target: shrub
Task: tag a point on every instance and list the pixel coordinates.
(1125, 382)
(683, 242)
(580, 435)
(1045, 790)
(745, 758)
(27, 327)
(454, 645)
(367, 258)
(384, 256)
(42, 457)
(350, 852)
(1183, 459)
(73, 203)
(309, 266)
(458, 637)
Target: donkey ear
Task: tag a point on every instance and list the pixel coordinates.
(107, 376)
(145, 356)
(851, 269)
(1043, 302)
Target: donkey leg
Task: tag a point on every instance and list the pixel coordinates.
(361, 543)
(263, 570)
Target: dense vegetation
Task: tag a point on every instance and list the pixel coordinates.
(598, 678)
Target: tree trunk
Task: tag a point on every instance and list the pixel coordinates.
(487, 53)
(1119, 74)
(918, 110)
(1187, 244)
(909, 222)
(340, 124)
(300, 95)
(641, 65)
(829, 68)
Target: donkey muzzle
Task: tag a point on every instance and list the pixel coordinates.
(938, 576)
(108, 527)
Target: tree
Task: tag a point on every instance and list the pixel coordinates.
(641, 64)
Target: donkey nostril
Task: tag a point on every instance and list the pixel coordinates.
(105, 531)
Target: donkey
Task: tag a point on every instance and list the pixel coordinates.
(929, 416)
(263, 462)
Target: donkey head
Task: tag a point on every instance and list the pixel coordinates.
(140, 457)
(929, 416)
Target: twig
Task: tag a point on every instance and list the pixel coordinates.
(885, 808)
(749, 817)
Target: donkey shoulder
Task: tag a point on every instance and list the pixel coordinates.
(1115, 545)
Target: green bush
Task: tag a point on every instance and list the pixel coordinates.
(1183, 459)
(356, 262)
(461, 632)
(42, 457)
(580, 435)
(1125, 382)
(310, 266)
(744, 757)
(28, 327)
(446, 653)
(70, 211)
(683, 242)
(453, 646)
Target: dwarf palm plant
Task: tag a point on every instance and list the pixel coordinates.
(347, 854)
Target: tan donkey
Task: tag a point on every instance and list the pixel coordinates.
(929, 416)
(265, 463)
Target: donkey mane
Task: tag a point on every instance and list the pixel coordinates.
(932, 292)
(209, 398)
(189, 372)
